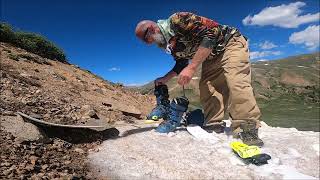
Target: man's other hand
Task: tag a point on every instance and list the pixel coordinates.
(186, 75)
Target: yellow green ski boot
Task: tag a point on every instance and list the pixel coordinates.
(250, 154)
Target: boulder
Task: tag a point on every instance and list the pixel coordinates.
(21, 130)
(88, 112)
(128, 110)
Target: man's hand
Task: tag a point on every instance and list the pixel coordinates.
(165, 78)
(186, 75)
(160, 81)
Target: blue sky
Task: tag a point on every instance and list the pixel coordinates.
(99, 35)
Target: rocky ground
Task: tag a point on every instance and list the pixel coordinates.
(53, 159)
(62, 93)
(59, 93)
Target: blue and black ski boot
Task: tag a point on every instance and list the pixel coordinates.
(195, 117)
(161, 109)
(178, 107)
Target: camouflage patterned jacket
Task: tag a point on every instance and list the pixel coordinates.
(184, 32)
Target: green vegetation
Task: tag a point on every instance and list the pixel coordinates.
(31, 42)
(14, 57)
(291, 111)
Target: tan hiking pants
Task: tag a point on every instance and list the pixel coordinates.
(225, 85)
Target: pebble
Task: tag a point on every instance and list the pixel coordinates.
(54, 109)
(6, 172)
(67, 162)
(29, 167)
(7, 164)
(78, 150)
(46, 116)
(44, 167)
(33, 159)
(37, 116)
(8, 113)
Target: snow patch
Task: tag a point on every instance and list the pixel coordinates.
(292, 173)
(294, 153)
(286, 172)
(235, 161)
(316, 148)
(301, 66)
(151, 155)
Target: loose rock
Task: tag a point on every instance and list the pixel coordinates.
(21, 130)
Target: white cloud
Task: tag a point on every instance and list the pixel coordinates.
(136, 84)
(260, 54)
(114, 69)
(267, 45)
(262, 60)
(286, 16)
(309, 37)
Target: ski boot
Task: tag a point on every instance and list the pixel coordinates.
(249, 134)
(161, 109)
(195, 117)
(178, 107)
(250, 154)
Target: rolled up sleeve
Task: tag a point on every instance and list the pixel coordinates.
(180, 65)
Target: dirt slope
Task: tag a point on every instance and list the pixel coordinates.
(59, 93)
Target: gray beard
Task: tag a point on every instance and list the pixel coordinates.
(160, 41)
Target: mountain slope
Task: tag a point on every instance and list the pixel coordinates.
(59, 93)
(62, 92)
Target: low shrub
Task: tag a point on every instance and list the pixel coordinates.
(31, 42)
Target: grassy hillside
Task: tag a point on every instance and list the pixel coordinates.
(287, 91)
(31, 42)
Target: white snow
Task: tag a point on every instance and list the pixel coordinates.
(286, 172)
(316, 148)
(294, 153)
(142, 153)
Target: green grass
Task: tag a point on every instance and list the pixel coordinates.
(288, 111)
